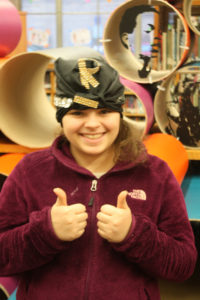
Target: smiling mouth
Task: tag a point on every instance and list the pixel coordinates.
(93, 136)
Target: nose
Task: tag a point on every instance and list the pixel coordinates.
(92, 120)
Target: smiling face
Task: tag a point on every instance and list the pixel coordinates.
(91, 132)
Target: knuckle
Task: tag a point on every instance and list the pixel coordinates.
(81, 207)
(98, 215)
(104, 208)
(80, 233)
(84, 225)
(69, 220)
(116, 223)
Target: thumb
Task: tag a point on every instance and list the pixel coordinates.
(121, 200)
(61, 197)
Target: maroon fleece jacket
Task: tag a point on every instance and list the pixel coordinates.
(160, 245)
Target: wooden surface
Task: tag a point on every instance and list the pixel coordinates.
(193, 154)
(7, 146)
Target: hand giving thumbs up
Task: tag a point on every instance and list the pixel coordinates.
(114, 222)
(69, 221)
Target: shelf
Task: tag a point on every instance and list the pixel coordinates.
(134, 115)
(193, 154)
(197, 2)
(128, 93)
(52, 82)
(7, 146)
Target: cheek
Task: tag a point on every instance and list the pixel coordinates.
(115, 122)
(70, 126)
(114, 126)
(69, 130)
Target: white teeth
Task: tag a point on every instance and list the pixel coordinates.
(93, 136)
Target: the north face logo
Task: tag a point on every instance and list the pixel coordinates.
(138, 194)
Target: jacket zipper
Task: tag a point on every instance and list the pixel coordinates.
(93, 189)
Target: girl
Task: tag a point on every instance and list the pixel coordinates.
(93, 216)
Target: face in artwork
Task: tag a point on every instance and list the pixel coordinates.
(91, 132)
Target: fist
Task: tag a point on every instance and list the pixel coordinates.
(114, 222)
(68, 221)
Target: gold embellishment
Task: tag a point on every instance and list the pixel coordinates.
(86, 101)
(86, 77)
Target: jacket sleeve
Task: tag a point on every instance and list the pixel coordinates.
(166, 248)
(27, 239)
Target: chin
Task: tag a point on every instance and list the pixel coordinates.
(94, 151)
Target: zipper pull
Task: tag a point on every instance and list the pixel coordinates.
(94, 185)
(93, 189)
(91, 201)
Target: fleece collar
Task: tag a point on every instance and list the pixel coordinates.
(62, 153)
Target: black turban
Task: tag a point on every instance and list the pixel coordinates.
(86, 83)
